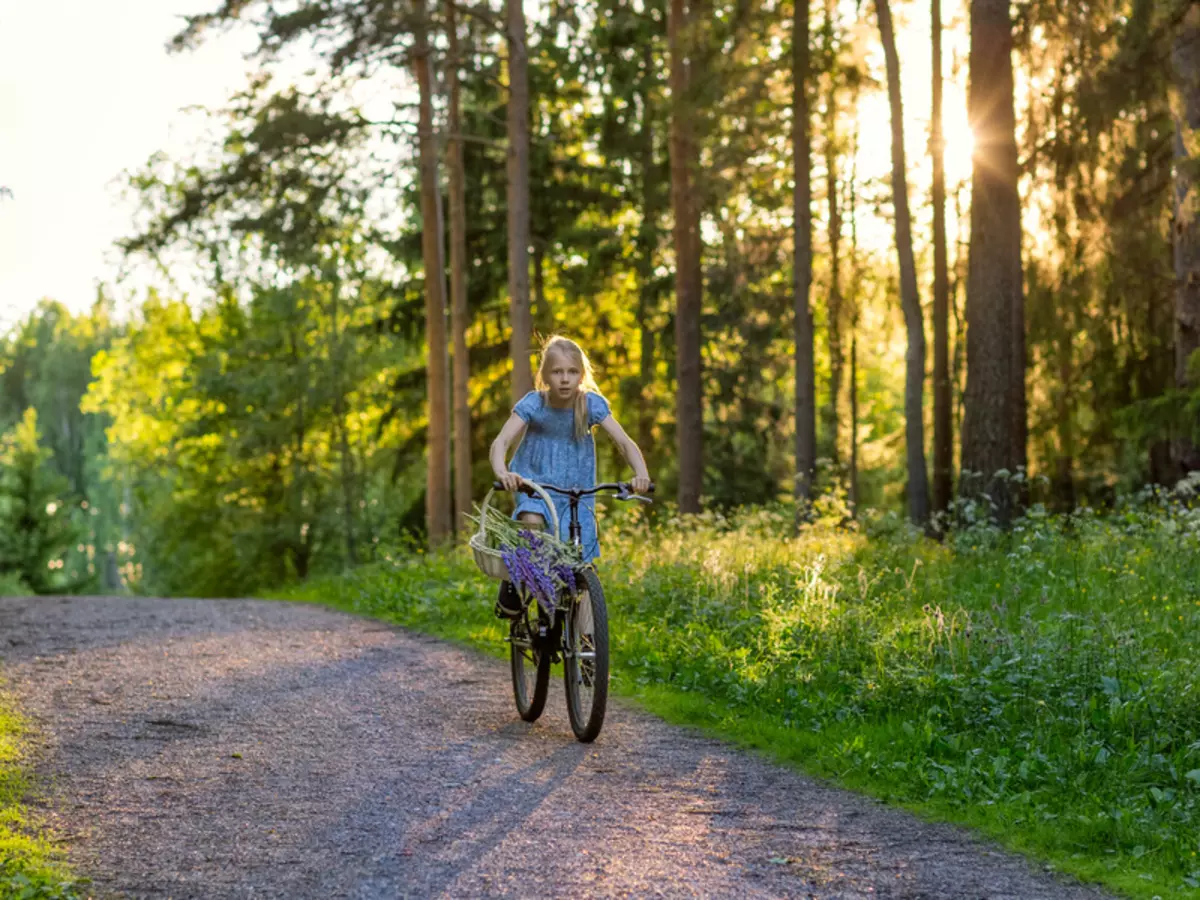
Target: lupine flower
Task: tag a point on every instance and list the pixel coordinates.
(537, 564)
(537, 561)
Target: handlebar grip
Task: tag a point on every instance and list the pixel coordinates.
(523, 489)
(628, 485)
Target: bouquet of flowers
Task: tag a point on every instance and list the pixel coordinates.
(537, 561)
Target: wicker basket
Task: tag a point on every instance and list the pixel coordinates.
(489, 560)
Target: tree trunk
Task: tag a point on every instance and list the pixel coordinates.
(1064, 481)
(958, 350)
(1186, 60)
(349, 517)
(647, 247)
(852, 495)
(992, 433)
(459, 316)
(943, 436)
(806, 403)
(834, 327)
(855, 306)
(910, 301)
(301, 542)
(438, 518)
(689, 410)
(541, 308)
(518, 201)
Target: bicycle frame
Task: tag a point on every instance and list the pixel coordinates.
(557, 631)
(622, 491)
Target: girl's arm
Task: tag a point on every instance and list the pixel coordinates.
(633, 455)
(498, 455)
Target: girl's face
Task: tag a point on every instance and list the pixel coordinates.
(562, 375)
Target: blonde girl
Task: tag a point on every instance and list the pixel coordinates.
(553, 426)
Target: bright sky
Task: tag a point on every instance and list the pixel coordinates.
(87, 90)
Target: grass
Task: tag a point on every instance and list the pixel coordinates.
(1038, 684)
(29, 868)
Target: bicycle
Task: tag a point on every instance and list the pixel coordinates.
(574, 633)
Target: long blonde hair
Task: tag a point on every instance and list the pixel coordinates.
(574, 353)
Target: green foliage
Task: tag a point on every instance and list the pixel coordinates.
(601, 243)
(226, 424)
(45, 364)
(28, 867)
(1037, 683)
(11, 585)
(36, 530)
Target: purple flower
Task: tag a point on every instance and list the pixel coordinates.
(536, 566)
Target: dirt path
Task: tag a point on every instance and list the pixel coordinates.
(242, 748)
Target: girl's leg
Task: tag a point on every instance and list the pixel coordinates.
(536, 521)
(508, 603)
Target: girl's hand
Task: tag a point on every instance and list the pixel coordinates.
(640, 484)
(511, 481)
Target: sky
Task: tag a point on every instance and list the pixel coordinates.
(87, 90)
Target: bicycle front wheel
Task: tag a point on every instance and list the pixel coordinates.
(585, 666)
(530, 664)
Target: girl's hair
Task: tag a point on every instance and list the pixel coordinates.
(574, 353)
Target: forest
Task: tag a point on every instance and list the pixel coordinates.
(899, 299)
(785, 299)
(908, 287)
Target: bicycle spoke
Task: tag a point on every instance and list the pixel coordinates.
(584, 652)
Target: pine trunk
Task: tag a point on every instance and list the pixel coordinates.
(1186, 60)
(852, 494)
(943, 437)
(689, 411)
(438, 519)
(459, 316)
(834, 325)
(647, 247)
(855, 307)
(806, 402)
(910, 301)
(541, 308)
(993, 418)
(346, 464)
(518, 201)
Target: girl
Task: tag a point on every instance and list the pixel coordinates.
(557, 421)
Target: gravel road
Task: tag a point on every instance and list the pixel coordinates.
(242, 748)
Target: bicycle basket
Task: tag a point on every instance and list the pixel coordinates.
(489, 559)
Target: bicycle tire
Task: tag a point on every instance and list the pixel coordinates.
(530, 665)
(586, 678)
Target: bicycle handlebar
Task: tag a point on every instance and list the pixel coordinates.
(622, 490)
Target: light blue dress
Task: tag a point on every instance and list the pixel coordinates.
(550, 454)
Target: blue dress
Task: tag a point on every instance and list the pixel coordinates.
(550, 454)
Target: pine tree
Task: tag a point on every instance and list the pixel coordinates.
(914, 380)
(35, 528)
(993, 433)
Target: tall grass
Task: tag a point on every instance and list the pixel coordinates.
(1038, 683)
(28, 867)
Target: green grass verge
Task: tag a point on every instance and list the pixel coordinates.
(1040, 685)
(29, 868)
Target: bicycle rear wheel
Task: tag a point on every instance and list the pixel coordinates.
(585, 663)
(530, 664)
